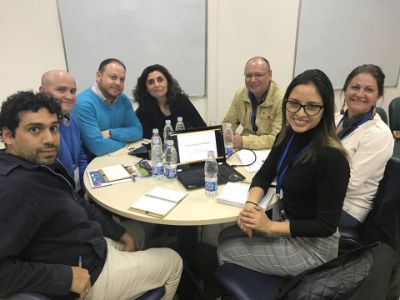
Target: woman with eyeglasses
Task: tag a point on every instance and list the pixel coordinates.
(367, 139)
(160, 98)
(312, 173)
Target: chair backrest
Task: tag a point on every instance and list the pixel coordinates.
(382, 113)
(396, 150)
(246, 284)
(394, 114)
(383, 222)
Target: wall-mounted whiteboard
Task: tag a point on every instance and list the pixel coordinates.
(338, 35)
(138, 32)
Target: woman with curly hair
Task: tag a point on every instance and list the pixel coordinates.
(160, 98)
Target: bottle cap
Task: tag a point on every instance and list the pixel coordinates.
(170, 142)
(180, 119)
(210, 153)
(167, 121)
(155, 130)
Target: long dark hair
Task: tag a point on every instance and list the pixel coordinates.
(147, 102)
(324, 134)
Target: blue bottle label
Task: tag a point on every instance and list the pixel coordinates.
(158, 169)
(228, 151)
(170, 171)
(211, 186)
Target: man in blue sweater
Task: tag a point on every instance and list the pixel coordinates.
(105, 115)
(60, 85)
(52, 241)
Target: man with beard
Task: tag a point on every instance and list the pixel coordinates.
(51, 239)
(105, 114)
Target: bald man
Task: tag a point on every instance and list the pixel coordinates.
(62, 86)
(257, 107)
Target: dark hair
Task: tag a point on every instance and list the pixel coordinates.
(146, 101)
(25, 101)
(108, 61)
(370, 69)
(325, 132)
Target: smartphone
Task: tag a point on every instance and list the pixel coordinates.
(142, 152)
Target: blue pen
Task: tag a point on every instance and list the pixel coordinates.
(80, 261)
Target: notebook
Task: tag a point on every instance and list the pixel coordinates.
(119, 174)
(236, 194)
(192, 146)
(158, 202)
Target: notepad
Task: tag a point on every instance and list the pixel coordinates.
(236, 194)
(110, 175)
(115, 172)
(158, 202)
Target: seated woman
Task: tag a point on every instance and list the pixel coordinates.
(160, 98)
(312, 170)
(367, 139)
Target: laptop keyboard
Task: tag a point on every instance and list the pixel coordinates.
(195, 175)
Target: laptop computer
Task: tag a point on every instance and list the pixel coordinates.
(192, 146)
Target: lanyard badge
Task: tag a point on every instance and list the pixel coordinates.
(281, 173)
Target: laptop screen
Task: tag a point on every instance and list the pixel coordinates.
(192, 145)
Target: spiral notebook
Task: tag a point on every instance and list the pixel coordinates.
(158, 202)
(236, 194)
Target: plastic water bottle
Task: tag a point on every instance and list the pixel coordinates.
(167, 131)
(228, 139)
(156, 154)
(211, 175)
(170, 161)
(179, 124)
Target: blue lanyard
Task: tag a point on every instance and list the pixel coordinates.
(281, 174)
(343, 134)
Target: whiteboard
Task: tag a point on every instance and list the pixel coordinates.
(139, 33)
(338, 35)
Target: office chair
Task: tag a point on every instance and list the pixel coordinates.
(245, 284)
(382, 113)
(154, 294)
(383, 221)
(394, 124)
(382, 224)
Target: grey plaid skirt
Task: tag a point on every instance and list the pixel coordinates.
(275, 254)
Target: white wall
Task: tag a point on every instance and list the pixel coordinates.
(237, 30)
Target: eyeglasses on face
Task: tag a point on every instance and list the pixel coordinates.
(310, 109)
(249, 76)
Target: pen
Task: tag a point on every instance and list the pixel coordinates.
(80, 261)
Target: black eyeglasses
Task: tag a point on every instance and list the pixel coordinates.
(310, 109)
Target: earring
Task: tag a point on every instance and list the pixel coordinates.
(342, 109)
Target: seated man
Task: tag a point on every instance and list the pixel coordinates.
(105, 115)
(51, 240)
(257, 107)
(61, 86)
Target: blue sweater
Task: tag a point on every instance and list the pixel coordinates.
(71, 154)
(94, 115)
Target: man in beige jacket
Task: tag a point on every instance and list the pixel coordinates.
(257, 107)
